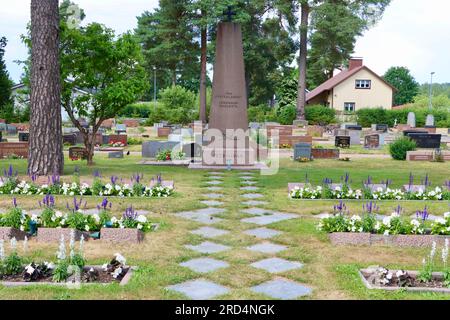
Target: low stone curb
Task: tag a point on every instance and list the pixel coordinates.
(116, 235)
(54, 234)
(368, 239)
(7, 233)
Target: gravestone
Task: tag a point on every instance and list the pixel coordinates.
(24, 136)
(121, 128)
(192, 150)
(300, 123)
(355, 137)
(342, 141)
(151, 148)
(118, 138)
(382, 127)
(353, 127)
(412, 119)
(106, 139)
(77, 153)
(115, 154)
(341, 132)
(70, 139)
(426, 140)
(132, 123)
(430, 121)
(163, 132)
(14, 148)
(229, 102)
(302, 150)
(325, 153)
(372, 141)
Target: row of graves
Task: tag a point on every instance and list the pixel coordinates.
(13, 148)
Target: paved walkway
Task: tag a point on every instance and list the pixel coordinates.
(258, 222)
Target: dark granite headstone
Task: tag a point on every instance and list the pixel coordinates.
(24, 136)
(353, 127)
(151, 148)
(382, 127)
(426, 140)
(408, 132)
(192, 150)
(115, 154)
(342, 141)
(121, 128)
(302, 150)
(70, 139)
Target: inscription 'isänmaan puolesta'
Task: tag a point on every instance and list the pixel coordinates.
(228, 100)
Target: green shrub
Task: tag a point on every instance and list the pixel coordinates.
(320, 115)
(137, 110)
(400, 147)
(286, 115)
(179, 104)
(13, 264)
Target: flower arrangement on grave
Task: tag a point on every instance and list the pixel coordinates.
(343, 190)
(15, 218)
(132, 220)
(11, 185)
(116, 144)
(66, 268)
(366, 222)
(169, 155)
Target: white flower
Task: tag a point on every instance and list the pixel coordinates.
(105, 267)
(49, 265)
(86, 228)
(29, 269)
(117, 273)
(400, 273)
(96, 218)
(141, 219)
(121, 259)
(440, 221)
(139, 226)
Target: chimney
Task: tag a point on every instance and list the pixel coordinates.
(355, 63)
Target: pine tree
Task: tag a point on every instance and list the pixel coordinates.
(46, 148)
(5, 81)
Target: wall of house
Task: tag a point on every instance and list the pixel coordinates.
(379, 95)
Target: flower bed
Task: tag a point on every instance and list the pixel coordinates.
(67, 270)
(7, 233)
(51, 224)
(370, 191)
(400, 279)
(366, 229)
(157, 187)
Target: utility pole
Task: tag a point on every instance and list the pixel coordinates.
(431, 92)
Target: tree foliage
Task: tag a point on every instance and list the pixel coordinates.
(5, 81)
(407, 87)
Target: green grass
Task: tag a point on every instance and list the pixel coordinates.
(331, 271)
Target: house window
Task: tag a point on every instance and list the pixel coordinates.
(363, 84)
(349, 107)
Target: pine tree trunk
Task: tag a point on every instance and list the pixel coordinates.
(46, 148)
(301, 93)
(89, 143)
(204, 44)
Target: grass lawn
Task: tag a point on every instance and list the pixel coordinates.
(330, 271)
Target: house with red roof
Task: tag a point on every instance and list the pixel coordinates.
(352, 89)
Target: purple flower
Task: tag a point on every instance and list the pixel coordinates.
(9, 174)
(427, 181)
(340, 208)
(97, 174)
(368, 182)
(130, 214)
(306, 178)
(398, 210)
(15, 202)
(76, 204)
(327, 181)
(48, 201)
(104, 205)
(447, 184)
(345, 179)
(370, 208)
(423, 215)
(114, 179)
(411, 180)
(137, 177)
(55, 179)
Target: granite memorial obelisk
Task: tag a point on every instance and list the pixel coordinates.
(228, 114)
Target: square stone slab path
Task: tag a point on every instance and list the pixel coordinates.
(204, 265)
(257, 211)
(249, 183)
(263, 233)
(282, 289)
(252, 203)
(214, 182)
(209, 232)
(212, 203)
(199, 289)
(269, 219)
(213, 195)
(252, 196)
(267, 248)
(249, 188)
(277, 265)
(208, 247)
(214, 189)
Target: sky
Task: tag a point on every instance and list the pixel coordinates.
(412, 33)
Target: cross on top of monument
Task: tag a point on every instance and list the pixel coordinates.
(229, 13)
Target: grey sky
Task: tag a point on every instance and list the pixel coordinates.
(412, 33)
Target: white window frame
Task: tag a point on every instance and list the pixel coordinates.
(363, 84)
(348, 104)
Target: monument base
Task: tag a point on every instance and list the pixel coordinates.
(201, 166)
